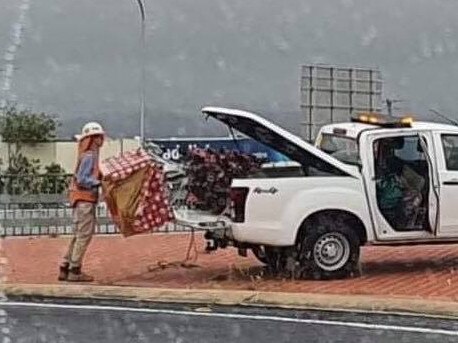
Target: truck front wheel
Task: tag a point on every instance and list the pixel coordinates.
(329, 248)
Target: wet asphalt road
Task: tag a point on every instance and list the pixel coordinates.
(32, 322)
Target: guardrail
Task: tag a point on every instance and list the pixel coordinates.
(29, 184)
(28, 212)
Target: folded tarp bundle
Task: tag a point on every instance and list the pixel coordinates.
(135, 192)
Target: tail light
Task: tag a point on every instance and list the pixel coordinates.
(238, 197)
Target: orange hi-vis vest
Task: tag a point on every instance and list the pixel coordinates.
(77, 193)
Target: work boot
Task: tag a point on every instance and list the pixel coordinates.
(75, 275)
(63, 272)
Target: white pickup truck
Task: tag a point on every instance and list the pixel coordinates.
(375, 180)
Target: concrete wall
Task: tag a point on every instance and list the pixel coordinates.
(64, 153)
(45, 152)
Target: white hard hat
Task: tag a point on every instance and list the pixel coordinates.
(91, 129)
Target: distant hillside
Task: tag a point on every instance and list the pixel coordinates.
(80, 58)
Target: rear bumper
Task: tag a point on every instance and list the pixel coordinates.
(218, 229)
(199, 220)
(221, 232)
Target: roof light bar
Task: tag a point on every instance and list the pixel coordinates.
(382, 120)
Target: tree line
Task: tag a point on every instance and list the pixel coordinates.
(21, 174)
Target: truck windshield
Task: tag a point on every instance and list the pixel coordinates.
(342, 148)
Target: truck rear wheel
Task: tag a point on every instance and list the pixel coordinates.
(274, 258)
(329, 248)
(260, 253)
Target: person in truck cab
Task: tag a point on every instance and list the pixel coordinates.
(389, 189)
(398, 185)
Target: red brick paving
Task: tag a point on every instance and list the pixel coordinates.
(419, 271)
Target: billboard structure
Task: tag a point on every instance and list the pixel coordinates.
(331, 94)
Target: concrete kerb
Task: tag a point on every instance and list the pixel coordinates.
(199, 297)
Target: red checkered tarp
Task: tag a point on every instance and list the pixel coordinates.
(121, 167)
(154, 208)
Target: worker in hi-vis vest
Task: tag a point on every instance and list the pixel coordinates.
(84, 194)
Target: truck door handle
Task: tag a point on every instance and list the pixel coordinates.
(452, 182)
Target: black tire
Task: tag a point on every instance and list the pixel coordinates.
(260, 253)
(329, 248)
(273, 258)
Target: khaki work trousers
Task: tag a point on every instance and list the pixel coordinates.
(84, 221)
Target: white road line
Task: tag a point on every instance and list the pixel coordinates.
(359, 325)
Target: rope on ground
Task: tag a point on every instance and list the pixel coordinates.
(192, 248)
(189, 261)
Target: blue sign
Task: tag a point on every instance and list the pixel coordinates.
(175, 149)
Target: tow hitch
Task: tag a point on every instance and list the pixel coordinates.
(217, 229)
(217, 239)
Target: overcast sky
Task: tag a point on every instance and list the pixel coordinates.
(79, 59)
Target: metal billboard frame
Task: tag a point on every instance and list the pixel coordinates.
(360, 93)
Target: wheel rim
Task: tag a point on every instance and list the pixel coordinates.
(331, 251)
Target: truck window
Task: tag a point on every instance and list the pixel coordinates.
(450, 146)
(410, 150)
(342, 148)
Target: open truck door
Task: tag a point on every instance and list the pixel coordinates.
(401, 181)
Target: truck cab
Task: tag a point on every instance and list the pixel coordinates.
(374, 180)
(409, 171)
